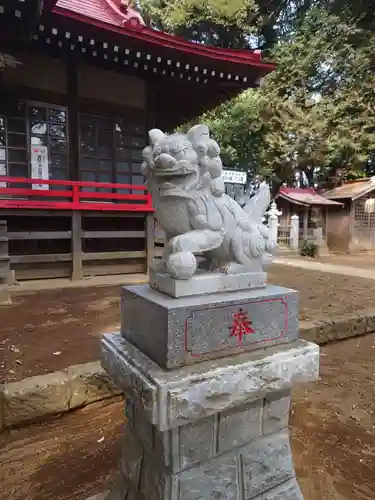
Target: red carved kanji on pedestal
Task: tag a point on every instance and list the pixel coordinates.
(241, 326)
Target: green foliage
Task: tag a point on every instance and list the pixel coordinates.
(237, 127)
(319, 101)
(223, 23)
(309, 249)
(363, 10)
(314, 113)
(228, 23)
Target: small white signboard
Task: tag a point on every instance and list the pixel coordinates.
(234, 176)
(39, 166)
(3, 168)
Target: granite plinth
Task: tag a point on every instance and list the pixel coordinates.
(259, 470)
(206, 283)
(175, 332)
(187, 446)
(170, 399)
(216, 430)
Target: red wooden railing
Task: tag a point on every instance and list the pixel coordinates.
(71, 196)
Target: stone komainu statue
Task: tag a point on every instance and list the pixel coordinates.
(184, 176)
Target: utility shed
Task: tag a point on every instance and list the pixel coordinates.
(312, 209)
(352, 228)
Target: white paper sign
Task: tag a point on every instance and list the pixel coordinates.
(3, 168)
(234, 176)
(39, 166)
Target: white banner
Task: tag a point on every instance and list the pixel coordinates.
(3, 168)
(39, 166)
(234, 176)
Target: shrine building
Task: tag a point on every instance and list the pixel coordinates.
(87, 80)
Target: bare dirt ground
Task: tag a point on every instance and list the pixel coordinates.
(47, 331)
(334, 425)
(333, 429)
(70, 458)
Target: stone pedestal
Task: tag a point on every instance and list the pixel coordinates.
(176, 332)
(215, 425)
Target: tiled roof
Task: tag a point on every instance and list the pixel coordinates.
(107, 11)
(351, 190)
(304, 196)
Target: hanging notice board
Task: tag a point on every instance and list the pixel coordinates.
(39, 166)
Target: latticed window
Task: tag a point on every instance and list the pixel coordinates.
(364, 213)
(48, 136)
(317, 216)
(30, 131)
(13, 153)
(110, 150)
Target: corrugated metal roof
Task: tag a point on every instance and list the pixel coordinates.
(351, 190)
(107, 11)
(304, 196)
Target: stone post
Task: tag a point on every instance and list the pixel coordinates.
(273, 221)
(207, 381)
(294, 233)
(5, 272)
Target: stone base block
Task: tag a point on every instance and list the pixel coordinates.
(36, 397)
(241, 453)
(188, 446)
(189, 330)
(89, 383)
(170, 399)
(206, 283)
(260, 469)
(217, 430)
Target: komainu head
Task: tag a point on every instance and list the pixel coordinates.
(190, 160)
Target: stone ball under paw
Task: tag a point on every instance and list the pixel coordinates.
(181, 265)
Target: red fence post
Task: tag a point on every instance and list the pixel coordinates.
(75, 197)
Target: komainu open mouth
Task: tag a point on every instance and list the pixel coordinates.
(173, 171)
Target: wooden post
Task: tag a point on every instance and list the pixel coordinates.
(150, 240)
(305, 223)
(5, 298)
(77, 269)
(151, 105)
(73, 121)
(351, 225)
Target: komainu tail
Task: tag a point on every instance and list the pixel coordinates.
(256, 206)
